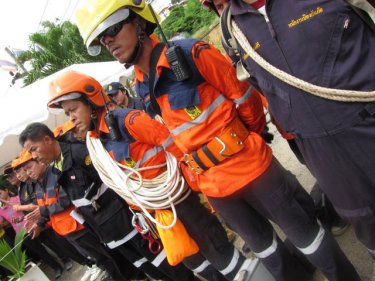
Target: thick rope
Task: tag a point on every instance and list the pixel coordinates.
(327, 93)
(162, 192)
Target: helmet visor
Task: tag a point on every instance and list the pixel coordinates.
(116, 17)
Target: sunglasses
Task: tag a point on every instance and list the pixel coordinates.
(113, 30)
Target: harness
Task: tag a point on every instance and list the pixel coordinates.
(184, 95)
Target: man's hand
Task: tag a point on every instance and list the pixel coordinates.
(34, 216)
(35, 230)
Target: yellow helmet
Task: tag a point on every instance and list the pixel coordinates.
(95, 16)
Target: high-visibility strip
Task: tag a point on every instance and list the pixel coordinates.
(81, 202)
(159, 258)
(269, 251)
(201, 267)
(127, 237)
(85, 202)
(204, 115)
(371, 251)
(167, 142)
(139, 263)
(315, 244)
(245, 96)
(233, 263)
(146, 156)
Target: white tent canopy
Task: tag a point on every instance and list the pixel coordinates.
(19, 107)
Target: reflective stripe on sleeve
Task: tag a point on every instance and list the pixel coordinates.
(81, 202)
(245, 96)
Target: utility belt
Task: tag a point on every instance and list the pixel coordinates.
(221, 147)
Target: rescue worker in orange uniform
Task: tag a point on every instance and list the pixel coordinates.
(233, 165)
(141, 145)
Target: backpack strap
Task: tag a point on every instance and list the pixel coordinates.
(230, 44)
(155, 55)
(228, 38)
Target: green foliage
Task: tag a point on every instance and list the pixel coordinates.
(186, 19)
(13, 260)
(54, 48)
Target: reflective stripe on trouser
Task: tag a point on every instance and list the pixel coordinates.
(278, 196)
(209, 234)
(202, 267)
(159, 262)
(349, 180)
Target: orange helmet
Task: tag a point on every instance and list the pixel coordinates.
(24, 157)
(72, 85)
(64, 128)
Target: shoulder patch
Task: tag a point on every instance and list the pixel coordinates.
(132, 116)
(88, 160)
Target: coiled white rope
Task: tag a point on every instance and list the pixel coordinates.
(164, 191)
(327, 93)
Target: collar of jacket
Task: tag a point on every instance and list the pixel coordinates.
(239, 7)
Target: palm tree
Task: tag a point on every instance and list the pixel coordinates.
(56, 47)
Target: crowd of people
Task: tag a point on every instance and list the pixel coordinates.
(120, 186)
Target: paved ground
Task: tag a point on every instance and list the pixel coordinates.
(353, 249)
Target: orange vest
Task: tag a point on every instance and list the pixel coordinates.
(62, 223)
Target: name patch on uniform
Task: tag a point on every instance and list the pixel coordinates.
(130, 162)
(305, 17)
(88, 160)
(192, 111)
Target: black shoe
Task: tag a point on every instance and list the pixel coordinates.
(58, 273)
(339, 229)
(68, 265)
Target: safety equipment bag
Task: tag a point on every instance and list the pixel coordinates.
(176, 241)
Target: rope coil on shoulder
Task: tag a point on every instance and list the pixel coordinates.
(162, 192)
(323, 92)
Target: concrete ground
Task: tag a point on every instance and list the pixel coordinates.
(356, 253)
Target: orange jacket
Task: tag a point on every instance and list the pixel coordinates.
(149, 139)
(218, 96)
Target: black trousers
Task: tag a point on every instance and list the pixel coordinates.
(87, 242)
(343, 164)
(37, 249)
(155, 265)
(278, 196)
(61, 246)
(210, 236)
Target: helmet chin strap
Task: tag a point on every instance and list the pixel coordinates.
(138, 47)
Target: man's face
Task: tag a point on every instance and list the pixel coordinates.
(21, 174)
(4, 194)
(79, 113)
(12, 178)
(120, 98)
(220, 5)
(122, 45)
(41, 150)
(34, 169)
